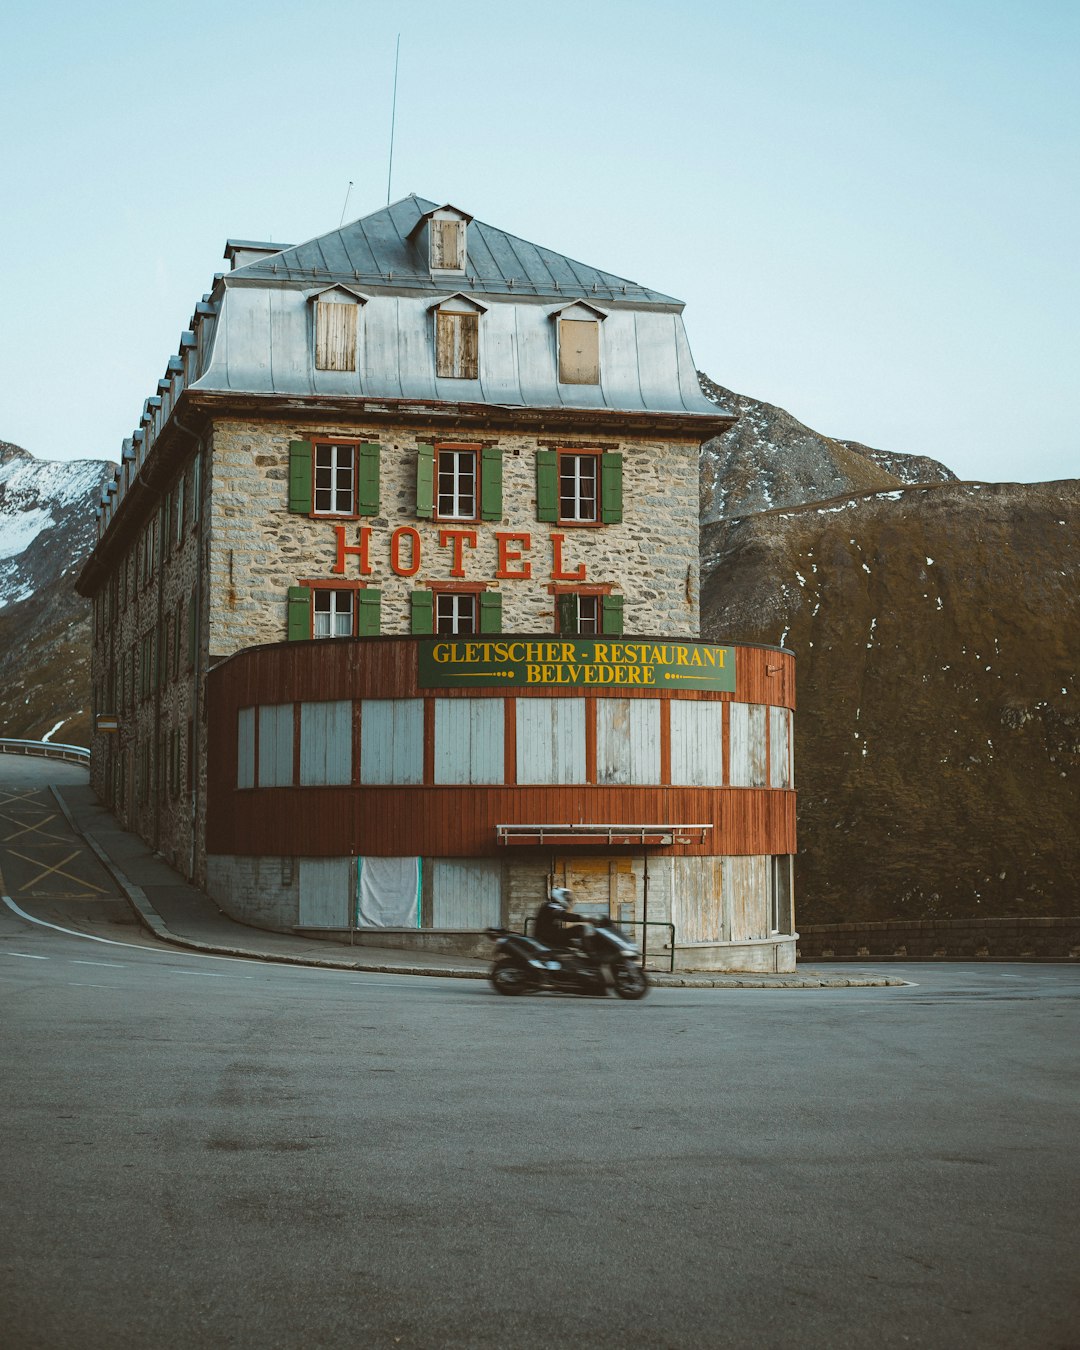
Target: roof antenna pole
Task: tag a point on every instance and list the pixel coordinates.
(343, 209)
(393, 119)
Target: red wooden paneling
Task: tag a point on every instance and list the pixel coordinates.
(460, 821)
(453, 821)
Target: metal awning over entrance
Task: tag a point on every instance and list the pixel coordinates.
(616, 836)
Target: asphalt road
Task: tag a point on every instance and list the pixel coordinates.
(202, 1152)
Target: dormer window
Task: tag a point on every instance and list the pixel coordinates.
(457, 338)
(337, 319)
(440, 238)
(447, 245)
(579, 344)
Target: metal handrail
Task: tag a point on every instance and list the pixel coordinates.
(46, 749)
(634, 923)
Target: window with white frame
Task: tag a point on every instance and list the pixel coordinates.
(579, 478)
(457, 485)
(332, 613)
(335, 479)
(455, 612)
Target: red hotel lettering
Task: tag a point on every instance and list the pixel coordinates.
(508, 555)
(361, 550)
(395, 551)
(558, 572)
(459, 538)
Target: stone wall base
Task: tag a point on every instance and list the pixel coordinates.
(1020, 939)
(762, 956)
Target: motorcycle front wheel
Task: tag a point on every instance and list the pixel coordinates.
(508, 978)
(630, 981)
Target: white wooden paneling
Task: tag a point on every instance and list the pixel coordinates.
(628, 740)
(697, 899)
(551, 740)
(747, 897)
(469, 740)
(326, 889)
(245, 748)
(697, 744)
(325, 743)
(392, 740)
(276, 745)
(779, 747)
(466, 892)
(748, 745)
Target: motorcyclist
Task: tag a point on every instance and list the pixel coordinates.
(555, 925)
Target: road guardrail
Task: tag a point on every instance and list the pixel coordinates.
(77, 754)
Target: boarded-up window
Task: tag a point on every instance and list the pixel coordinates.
(579, 351)
(456, 344)
(627, 740)
(326, 892)
(392, 740)
(780, 904)
(551, 740)
(335, 335)
(748, 745)
(469, 740)
(325, 743)
(448, 245)
(276, 745)
(245, 748)
(465, 892)
(697, 743)
(779, 748)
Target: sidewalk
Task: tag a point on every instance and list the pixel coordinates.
(179, 913)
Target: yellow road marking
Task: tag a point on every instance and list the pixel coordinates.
(57, 867)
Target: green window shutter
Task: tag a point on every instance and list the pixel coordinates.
(611, 488)
(367, 480)
(491, 507)
(567, 609)
(369, 612)
(491, 611)
(299, 628)
(301, 454)
(547, 485)
(422, 607)
(425, 482)
(613, 615)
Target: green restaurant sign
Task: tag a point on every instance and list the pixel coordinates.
(522, 663)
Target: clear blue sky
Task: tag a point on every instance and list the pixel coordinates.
(869, 206)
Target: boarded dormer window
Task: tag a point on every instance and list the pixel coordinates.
(579, 345)
(447, 245)
(457, 339)
(335, 334)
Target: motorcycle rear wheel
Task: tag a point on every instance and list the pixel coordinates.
(508, 978)
(630, 981)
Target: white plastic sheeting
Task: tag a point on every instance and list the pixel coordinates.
(388, 893)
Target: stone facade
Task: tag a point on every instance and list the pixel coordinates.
(258, 549)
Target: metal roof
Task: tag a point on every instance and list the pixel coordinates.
(377, 250)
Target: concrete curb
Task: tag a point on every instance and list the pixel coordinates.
(153, 922)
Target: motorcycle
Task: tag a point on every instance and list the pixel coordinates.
(607, 960)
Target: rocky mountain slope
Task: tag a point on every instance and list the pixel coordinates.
(770, 459)
(46, 531)
(937, 629)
